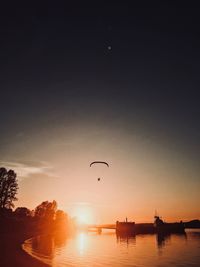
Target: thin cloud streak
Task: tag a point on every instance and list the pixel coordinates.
(25, 169)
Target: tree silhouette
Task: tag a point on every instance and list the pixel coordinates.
(61, 221)
(45, 215)
(22, 212)
(8, 188)
(46, 210)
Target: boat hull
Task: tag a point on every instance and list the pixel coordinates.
(149, 228)
(170, 228)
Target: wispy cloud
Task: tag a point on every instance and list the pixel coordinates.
(25, 169)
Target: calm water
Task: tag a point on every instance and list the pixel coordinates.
(90, 249)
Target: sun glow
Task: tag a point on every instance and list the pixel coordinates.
(83, 219)
(83, 213)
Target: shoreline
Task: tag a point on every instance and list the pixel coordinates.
(12, 253)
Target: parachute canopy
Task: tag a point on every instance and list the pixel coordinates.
(99, 162)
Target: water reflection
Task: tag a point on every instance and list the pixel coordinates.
(60, 240)
(196, 235)
(46, 246)
(82, 242)
(109, 249)
(126, 238)
(164, 239)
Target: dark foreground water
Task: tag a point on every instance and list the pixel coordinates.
(91, 249)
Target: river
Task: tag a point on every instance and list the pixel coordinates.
(106, 249)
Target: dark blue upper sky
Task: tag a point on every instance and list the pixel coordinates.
(134, 67)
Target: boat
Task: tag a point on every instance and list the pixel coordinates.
(132, 228)
(162, 227)
(125, 227)
(158, 227)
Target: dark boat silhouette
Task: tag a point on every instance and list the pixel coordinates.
(165, 228)
(159, 226)
(132, 228)
(125, 227)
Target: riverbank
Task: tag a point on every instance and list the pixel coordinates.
(12, 254)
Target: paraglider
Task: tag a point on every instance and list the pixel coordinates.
(99, 162)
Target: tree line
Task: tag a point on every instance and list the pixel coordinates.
(45, 217)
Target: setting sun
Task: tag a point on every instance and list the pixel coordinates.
(83, 219)
(83, 213)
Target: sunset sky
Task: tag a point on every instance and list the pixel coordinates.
(111, 82)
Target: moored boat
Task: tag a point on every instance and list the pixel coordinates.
(164, 228)
(132, 228)
(125, 227)
(159, 227)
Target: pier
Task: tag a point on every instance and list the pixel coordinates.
(100, 227)
(139, 228)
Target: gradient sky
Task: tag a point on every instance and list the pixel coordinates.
(117, 83)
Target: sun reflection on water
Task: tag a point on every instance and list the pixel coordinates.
(82, 242)
(91, 249)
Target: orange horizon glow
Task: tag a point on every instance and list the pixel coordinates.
(141, 179)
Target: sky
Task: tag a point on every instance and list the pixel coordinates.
(111, 82)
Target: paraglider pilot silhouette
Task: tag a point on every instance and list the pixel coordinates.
(99, 162)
